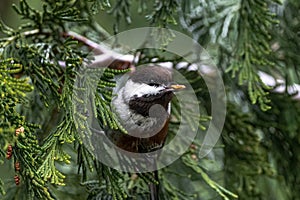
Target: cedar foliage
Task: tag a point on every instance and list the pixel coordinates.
(258, 154)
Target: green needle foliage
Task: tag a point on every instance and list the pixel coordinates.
(286, 41)
(243, 30)
(49, 93)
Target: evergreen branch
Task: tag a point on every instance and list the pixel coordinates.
(108, 57)
(104, 57)
(93, 45)
(20, 142)
(252, 161)
(85, 160)
(2, 191)
(103, 99)
(6, 41)
(119, 10)
(162, 17)
(66, 132)
(252, 49)
(98, 5)
(52, 151)
(170, 191)
(60, 13)
(285, 48)
(175, 193)
(162, 36)
(27, 160)
(75, 125)
(112, 180)
(6, 30)
(285, 141)
(142, 6)
(241, 27)
(209, 20)
(163, 13)
(192, 163)
(12, 92)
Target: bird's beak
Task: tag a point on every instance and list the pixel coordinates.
(177, 87)
(173, 88)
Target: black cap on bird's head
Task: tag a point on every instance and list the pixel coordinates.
(152, 75)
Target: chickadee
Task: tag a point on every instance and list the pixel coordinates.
(143, 106)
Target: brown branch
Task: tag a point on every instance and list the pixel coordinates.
(103, 56)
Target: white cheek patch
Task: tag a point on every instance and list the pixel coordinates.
(139, 89)
(136, 124)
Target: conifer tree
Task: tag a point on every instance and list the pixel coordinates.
(44, 63)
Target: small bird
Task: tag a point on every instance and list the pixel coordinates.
(143, 106)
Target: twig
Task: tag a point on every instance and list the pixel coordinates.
(98, 49)
(103, 56)
(12, 38)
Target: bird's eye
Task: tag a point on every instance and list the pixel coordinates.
(153, 84)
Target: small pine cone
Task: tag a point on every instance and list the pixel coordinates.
(17, 166)
(17, 179)
(9, 152)
(19, 130)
